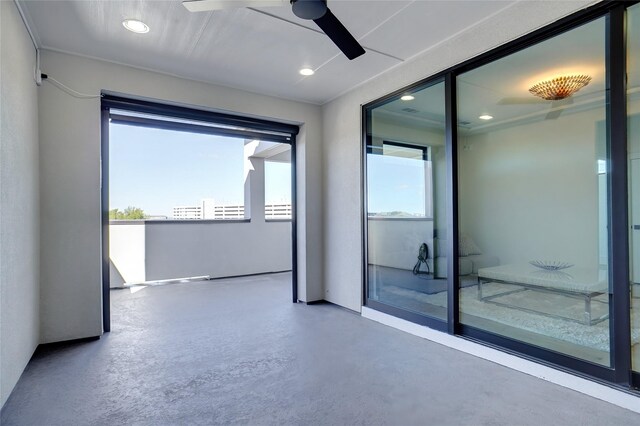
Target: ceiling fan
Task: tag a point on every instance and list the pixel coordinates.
(315, 10)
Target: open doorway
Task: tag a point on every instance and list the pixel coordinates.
(191, 196)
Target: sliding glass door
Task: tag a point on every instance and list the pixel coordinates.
(406, 203)
(502, 196)
(533, 195)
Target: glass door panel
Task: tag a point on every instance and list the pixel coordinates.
(406, 197)
(533, 196)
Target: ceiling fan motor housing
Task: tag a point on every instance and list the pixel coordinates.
(309, 9)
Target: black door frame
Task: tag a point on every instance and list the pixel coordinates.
(215, 123)
(620, 372)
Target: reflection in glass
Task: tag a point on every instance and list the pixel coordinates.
(533, 193)
(406, 187)
(633, 109)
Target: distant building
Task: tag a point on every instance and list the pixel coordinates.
(277, 211)
(228, 212)
(187, 212)
(208, 210)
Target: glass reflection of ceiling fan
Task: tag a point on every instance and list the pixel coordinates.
(557, 106)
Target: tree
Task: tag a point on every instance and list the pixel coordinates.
(130, 213)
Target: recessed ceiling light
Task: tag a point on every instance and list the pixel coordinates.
(485, 117)
(135, 26)
(307, 71)
(407, 98)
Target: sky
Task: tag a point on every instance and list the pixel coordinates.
(158, 169)
(395, 184)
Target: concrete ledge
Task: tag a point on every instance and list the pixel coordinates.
(570, 381)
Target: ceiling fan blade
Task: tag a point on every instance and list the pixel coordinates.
(553, 114)
(339, 35)
(558, 107)
(566, 101)
(208, 5)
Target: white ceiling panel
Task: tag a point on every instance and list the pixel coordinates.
(265, 61)
(426, 23)
(348, 73)
(257, 50)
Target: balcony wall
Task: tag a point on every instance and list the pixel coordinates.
(158, 250)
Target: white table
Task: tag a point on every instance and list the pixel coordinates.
(574, 282)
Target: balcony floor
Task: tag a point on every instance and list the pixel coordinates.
(237, 351)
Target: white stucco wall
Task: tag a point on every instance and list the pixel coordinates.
(216, 249)
(19, 205)
(342, 134)
(70, 190)
(154, 250)
(127, 253)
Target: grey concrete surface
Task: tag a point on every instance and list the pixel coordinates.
(237, 351)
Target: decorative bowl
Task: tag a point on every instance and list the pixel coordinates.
(550, 265)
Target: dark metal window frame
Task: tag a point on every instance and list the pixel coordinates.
(620, 373)
(424, 149)
(432, 322)
(425, 157)
(213, 123)
(156, 108)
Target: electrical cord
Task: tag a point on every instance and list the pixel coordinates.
(68, 89)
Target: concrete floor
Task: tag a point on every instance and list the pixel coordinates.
(237, 351)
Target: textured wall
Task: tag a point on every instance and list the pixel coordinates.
(19, 230)
(216, 249)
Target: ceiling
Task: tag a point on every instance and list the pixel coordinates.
(259, 50)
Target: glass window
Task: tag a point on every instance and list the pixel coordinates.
(633, 109)
(406, 197)
(532, 165)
